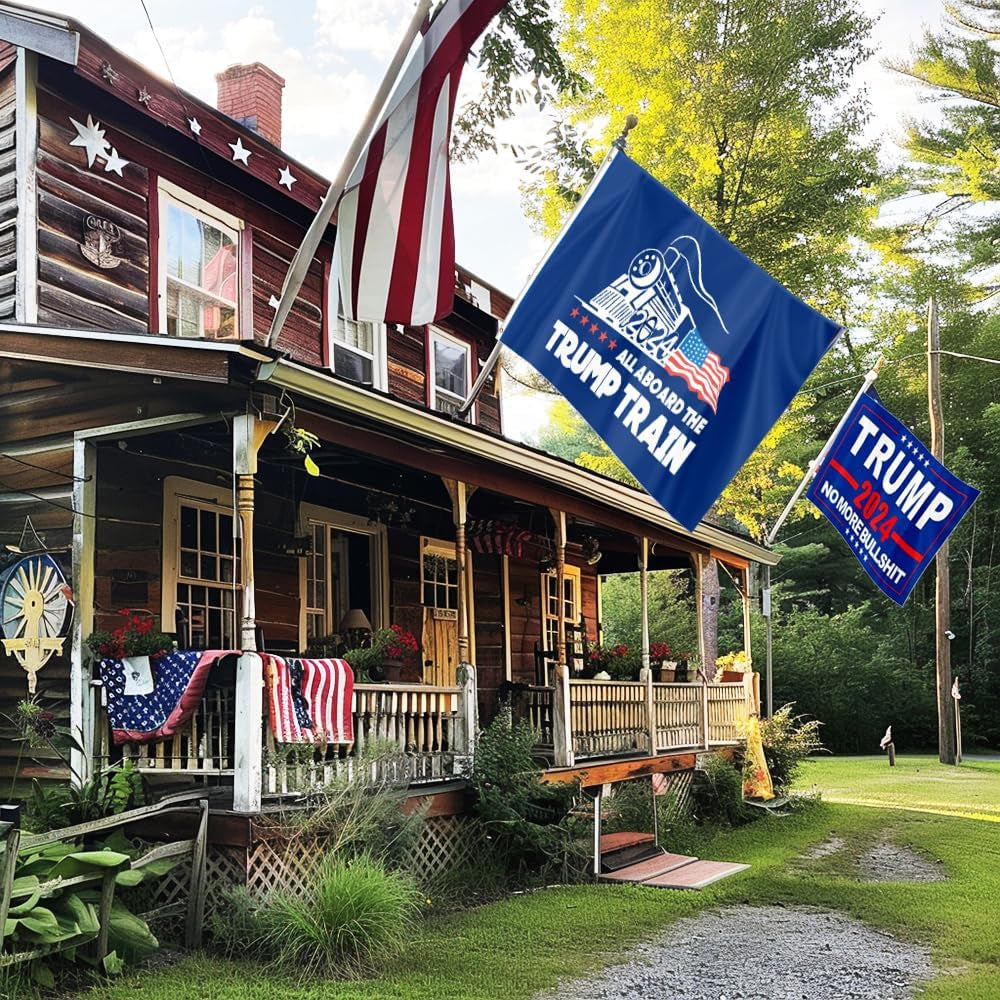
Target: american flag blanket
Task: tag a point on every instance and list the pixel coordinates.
(310, 700)
(180, 679)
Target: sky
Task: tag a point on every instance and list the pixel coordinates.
(332, 54)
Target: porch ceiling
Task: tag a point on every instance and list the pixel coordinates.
(412, 436)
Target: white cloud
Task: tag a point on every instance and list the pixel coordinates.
(371, 26)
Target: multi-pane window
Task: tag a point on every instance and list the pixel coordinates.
(327, 581)
(450, 372)
(439, 580)
(357, 348)
(552, 606)
(206, 574)
(199, 268)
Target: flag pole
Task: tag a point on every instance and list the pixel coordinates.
(817, 461)
(491, 362)
(317, 228)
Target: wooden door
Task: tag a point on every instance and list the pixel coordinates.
(440, 645)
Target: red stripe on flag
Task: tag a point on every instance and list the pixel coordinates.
(908, 549)
(366, 197)
(834, 464)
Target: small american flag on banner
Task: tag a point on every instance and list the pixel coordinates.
(699, 367)
(310, 700)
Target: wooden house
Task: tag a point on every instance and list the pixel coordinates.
(144, 238)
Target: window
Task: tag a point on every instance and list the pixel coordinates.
(358, 351)
(552, 606)
(450, 372)
(199, 267)
(345, 569)
(201, 569)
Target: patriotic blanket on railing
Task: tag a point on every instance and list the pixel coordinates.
(310, 700)
(179, 680)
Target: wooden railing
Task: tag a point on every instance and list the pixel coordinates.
(609, 718)
(431, 728)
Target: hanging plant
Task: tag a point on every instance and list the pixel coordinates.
(302, 443)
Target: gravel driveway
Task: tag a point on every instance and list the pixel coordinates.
(760, 953)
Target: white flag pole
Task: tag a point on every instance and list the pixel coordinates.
(490, 363)
(314, 234)
(817, 461)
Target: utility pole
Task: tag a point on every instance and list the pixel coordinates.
(942, 590)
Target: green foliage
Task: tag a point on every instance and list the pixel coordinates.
(352, 919)
(527, 823)
(788, 741)
(358, 813)
(717, 792)
(108, 793)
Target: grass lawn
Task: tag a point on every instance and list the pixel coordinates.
(972, 789)
(514, 948)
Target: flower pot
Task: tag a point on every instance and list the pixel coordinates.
(392, 671)
(731, 677)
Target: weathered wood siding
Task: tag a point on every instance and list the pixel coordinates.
(8, 191)
(71, 290)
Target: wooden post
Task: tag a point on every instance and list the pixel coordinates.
(7, 877)
(104, 912)
(460, 493)
(705, 742)
(81, 714)
(700, 614)
(468, 711)
(891, 750)
(745, 598)
(598, 795)
(196, 899)
(562, 733)
(249, 434)
(560, 519)
(768, 665)
(942, 590)
(647, 666)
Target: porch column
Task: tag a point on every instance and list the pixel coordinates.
(647, 673)
(249, 433)
(81, 709)
(745, 597)
(460, 493)
(562, 730)
(700, 616)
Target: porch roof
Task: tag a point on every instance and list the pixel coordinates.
(439, 433)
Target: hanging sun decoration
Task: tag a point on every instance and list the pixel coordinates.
(35, 611)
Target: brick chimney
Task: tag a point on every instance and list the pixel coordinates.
(252, 95)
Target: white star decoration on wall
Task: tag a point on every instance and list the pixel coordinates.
(285, 177)
(97, 147)
(194, 125)
(239, 152)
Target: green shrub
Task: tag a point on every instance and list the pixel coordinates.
(630, 808)
(717, 792)
(788, 741)
(353, 919)
(525, 821)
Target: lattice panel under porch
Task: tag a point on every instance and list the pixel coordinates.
(445, 842)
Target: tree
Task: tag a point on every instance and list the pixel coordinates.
(958, 155)
(744, 113)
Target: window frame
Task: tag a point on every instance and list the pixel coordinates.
(573, 576)
(378, 357)
(178, 490)
(436, 333)
(343, 522)
(168, 193)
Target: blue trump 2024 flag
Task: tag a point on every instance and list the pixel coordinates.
(892, 501)
(677, 349)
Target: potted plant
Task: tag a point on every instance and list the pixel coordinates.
(731, 667)
(401, 653)
(664, 669)
(136, 636)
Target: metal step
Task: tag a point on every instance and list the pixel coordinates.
(660, 864)
(619, 850)
(696, 875)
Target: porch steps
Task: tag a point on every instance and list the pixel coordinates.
(636, 858)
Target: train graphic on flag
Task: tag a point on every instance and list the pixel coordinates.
(661, 306)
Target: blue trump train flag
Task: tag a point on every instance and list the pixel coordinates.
(893, 502)
(678, 350)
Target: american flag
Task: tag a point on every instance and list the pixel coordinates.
(395, 245)
(310, 700)
(180, 679)
(699, 367)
